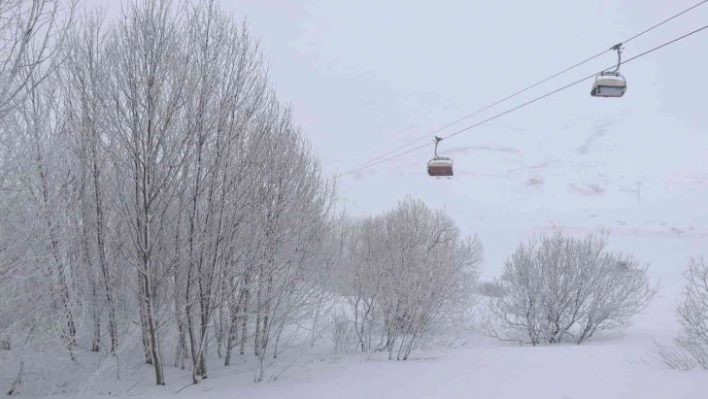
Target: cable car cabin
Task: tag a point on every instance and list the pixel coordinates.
(609, 84)
(440, 167)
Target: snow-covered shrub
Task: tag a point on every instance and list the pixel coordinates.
(343, 335)
(558, 288)
(693, 312)
(405, 272)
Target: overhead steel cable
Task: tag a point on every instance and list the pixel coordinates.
(374, 161)
(531, 101)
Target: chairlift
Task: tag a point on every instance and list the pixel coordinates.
(439, 166)
(610, 83)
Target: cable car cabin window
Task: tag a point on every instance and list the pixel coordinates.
(609, 91)
(439, 171)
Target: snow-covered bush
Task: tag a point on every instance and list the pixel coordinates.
(693, 312)
(404, 272)
(559, 288)
(343, 334)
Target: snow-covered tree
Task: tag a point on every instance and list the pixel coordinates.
(693, 312)
(559, 288)
(405, 272)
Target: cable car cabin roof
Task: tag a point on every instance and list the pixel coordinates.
(440, 167)
(609, 86)
(611, 80)
(440, 161)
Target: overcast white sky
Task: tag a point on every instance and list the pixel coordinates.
(365, 77)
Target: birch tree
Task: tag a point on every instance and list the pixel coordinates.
(27, 287)
(230, 90)
(40, 122)
(82, 76)
(294, 205)
(147, 86)
(37, 253)
(363, 272)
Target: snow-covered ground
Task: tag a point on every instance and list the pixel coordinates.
(609, 366)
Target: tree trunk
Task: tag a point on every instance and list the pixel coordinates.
(152, 331)
(192, 339)
(70, 332)
(243, 311)
(101, 248)
(259, 310)
(220, 323)
(233, 330)
(96, 316)
(143, 323)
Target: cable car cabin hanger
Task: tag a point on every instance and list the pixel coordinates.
(610, 83)
(439, 166)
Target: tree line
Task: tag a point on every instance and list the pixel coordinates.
(155, 187)
(151, 177)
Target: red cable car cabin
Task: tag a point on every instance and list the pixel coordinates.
(440, 167)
